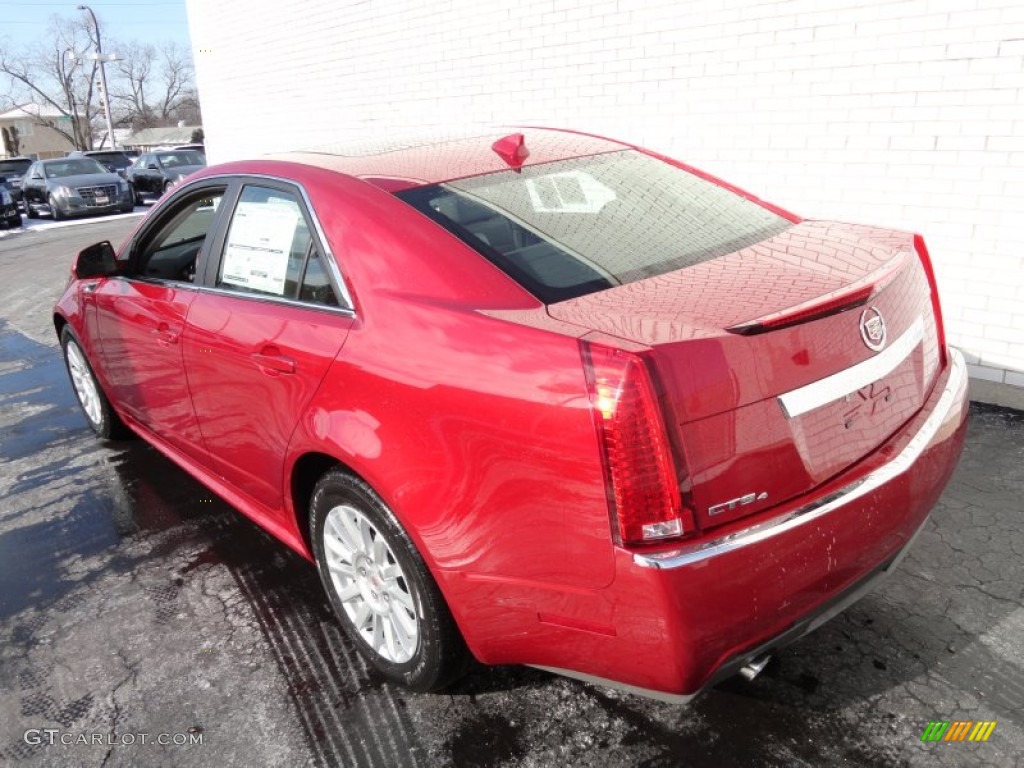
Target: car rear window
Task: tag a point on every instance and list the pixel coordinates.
(10, 167)
(573, 227)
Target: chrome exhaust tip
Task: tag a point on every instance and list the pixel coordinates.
(753, 668)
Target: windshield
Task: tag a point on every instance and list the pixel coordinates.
(72, 167)
(182, 158)
(573, 227)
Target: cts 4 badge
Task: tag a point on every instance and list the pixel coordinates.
(872, 329)
(742, 501)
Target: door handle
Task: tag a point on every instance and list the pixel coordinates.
(273, 365)
(164, 335)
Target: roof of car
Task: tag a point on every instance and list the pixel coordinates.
(409, 162)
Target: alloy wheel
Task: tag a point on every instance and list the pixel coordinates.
(370, 584)
(84, 384)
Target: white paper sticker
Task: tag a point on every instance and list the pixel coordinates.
(258, 247)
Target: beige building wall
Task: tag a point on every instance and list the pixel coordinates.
(36, 138)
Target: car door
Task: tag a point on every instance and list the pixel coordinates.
(261, 335)
(140, 316)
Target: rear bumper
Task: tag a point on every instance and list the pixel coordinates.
(684, 619)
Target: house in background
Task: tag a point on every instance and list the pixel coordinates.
(28, 130)
(101, 140)
(154, 138)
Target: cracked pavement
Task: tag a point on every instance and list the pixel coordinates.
(133, 601)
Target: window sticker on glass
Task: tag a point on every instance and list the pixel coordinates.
(569, 192)
(258, 246)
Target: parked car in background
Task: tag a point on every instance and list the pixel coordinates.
(153, 173)
(114, 160)
(74, 186)
(547, 397)
(12, 170)
(9, 215)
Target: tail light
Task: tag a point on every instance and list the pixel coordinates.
(643, 490)
(926, 262)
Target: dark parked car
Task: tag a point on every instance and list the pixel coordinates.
(114, 160)
(544, 398)
(74, 186)
(153, 173)
(12, 169)
(9, 216)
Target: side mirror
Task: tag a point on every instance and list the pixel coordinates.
(97, 260)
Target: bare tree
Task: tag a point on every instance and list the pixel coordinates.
(54, 74)
(149, 85)
(154, 86)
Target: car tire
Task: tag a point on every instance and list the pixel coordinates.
(31, 212)
(380, 588)
(135, 195)
(55, 211)
(102, 418)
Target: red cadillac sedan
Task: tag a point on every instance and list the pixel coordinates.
(541, 398)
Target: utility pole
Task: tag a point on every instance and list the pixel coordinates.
(100, 57)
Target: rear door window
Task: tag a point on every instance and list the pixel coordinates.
(267, 243)
(270, 249)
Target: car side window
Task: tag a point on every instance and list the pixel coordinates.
(267, 243)
(171, 251)
(316, 285)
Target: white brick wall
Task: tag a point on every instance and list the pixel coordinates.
(906, 113)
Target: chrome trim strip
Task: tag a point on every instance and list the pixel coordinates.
(684, 556)
(270, 299)
(799, 401)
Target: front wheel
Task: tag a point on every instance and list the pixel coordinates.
(380, 588)
(31, 212)
(55, 209)
(102, 418)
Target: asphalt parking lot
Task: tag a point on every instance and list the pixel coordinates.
(133, 601)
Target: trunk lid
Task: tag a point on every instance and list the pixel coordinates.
(775, 373)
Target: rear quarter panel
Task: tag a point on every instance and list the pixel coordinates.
(476, 430)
